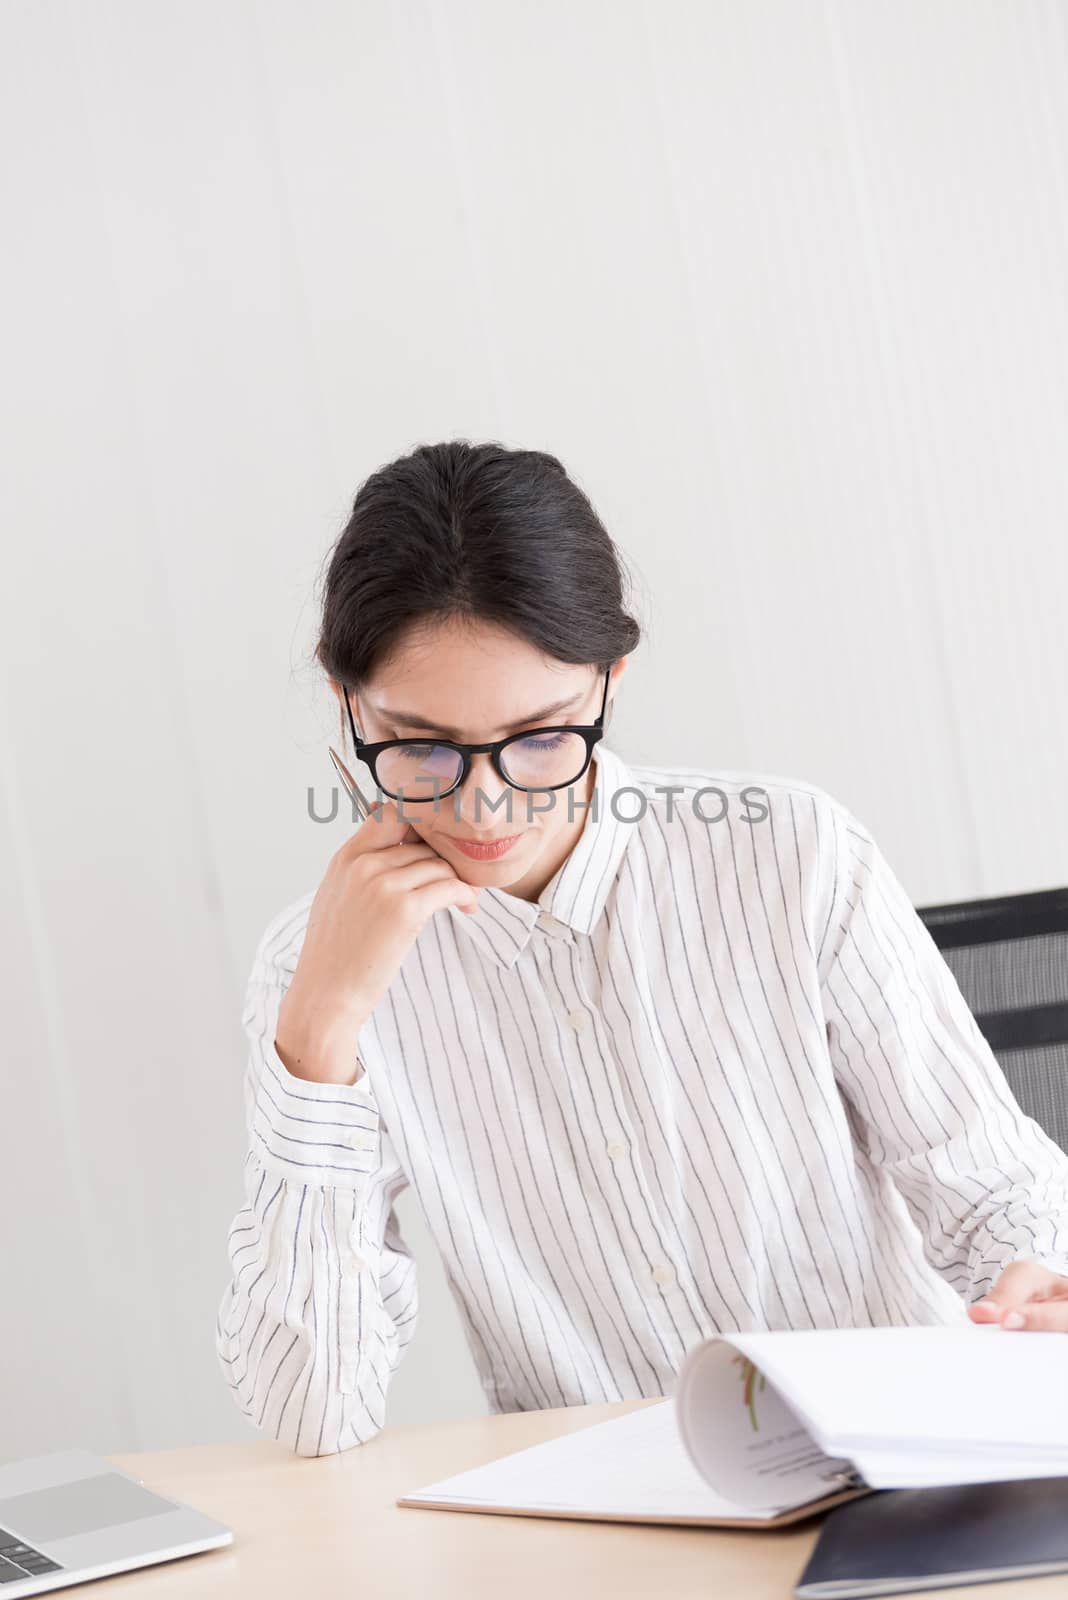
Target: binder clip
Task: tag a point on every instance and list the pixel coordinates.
(849, 1478)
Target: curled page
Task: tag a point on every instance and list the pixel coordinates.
(742, 1436)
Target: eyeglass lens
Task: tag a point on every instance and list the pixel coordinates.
(420, 771)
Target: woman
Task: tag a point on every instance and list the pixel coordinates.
(663, 1052)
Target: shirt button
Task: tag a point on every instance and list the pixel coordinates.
(615, 1150)
(664, 1273)
(577, 1019)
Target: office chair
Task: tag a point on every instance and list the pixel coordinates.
(1010, 960)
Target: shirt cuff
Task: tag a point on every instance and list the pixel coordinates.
(325, 1133)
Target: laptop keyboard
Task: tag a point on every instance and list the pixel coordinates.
(20, 1561)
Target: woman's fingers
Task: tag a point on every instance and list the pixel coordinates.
(1026, 1295)
(400, 877)
(1042, 1316)
(399, 855)
(383, 827)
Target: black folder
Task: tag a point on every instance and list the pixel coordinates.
(894, 1541)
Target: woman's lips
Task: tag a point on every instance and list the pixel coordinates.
(484, 852)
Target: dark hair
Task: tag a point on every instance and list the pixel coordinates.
(477, 532)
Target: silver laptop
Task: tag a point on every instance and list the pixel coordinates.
(72, 1516)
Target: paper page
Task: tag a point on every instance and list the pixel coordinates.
(921, 1391)
(743, 1438)
(634, 1466)
(885, 1469)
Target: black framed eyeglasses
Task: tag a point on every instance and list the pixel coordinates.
(536, 759)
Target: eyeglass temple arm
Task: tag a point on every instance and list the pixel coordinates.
(604, 697)
(356, 740)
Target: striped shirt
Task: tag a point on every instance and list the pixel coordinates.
(719, 1077)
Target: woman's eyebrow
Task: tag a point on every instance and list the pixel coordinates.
(408, 719)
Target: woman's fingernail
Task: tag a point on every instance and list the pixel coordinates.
(1012, 1320)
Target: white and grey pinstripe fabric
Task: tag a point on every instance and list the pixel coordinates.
(719, 1078)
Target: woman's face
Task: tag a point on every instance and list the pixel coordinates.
(474, 683)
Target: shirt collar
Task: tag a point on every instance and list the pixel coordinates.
(575, 896)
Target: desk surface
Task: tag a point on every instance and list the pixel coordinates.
(306, 1527)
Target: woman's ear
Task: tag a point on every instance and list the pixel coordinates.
(343, 717)
(340, 708)
(618, 669)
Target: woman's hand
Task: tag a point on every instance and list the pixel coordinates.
(377, 892)
(1025, 1296)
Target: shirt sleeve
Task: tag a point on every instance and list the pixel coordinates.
(984, 1183)
(322, 1298)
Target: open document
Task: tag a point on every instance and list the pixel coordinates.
(766, 1428)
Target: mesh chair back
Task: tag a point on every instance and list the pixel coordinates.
(1010, 960)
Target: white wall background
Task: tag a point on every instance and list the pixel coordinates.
(782, 282)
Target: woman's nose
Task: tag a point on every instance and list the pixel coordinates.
(486, 800)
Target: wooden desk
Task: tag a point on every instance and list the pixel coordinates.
(316, 1528)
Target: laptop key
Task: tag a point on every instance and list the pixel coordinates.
(28, 1561)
